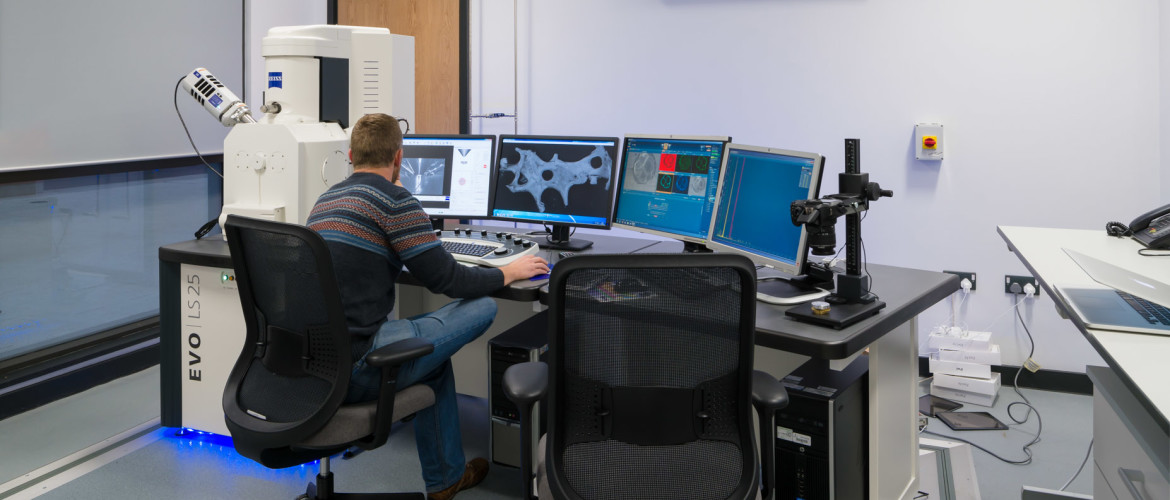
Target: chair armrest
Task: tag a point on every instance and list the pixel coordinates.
(399, 352)
(767, 392)
(389, 358)
(525, 384)
(768, 395)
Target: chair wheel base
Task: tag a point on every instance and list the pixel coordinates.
(328, 494)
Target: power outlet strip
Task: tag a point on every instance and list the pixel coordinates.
(1010, 280)
(964, 275)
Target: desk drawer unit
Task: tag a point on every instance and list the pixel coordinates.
(1125, 468)
(1101, 489)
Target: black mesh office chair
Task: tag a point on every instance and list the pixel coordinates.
(283, 399)
(649, 380)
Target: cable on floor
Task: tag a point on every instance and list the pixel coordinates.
(1079, 469)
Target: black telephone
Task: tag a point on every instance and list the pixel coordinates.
(1151, 229)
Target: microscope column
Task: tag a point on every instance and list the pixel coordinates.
(853, 285)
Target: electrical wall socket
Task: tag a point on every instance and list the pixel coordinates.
(965, 275)
(1010, 280)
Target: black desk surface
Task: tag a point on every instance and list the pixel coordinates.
(213, 252)
(531, 290)
(906, 292)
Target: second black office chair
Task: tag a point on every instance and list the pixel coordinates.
(649, 381)
(283, 400)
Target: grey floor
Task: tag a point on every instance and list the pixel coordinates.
(1068, 427)
(180, 468)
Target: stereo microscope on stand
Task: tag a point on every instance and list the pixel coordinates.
(851, 300)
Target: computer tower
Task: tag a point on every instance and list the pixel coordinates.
(527, 341)
(822, 440)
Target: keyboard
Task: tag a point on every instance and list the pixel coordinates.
(492, 249)
(465, 248)
(1153, 313)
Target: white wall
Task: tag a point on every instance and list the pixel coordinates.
(1052, 111)
(493, 70)
(260, 15)
(1164, 40)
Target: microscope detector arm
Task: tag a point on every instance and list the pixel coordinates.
(217, 99)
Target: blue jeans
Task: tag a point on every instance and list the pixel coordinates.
(436, 429)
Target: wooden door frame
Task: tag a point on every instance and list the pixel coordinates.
(464, 60)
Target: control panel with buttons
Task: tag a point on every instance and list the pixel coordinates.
(485, 248)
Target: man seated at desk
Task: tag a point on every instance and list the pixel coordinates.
(373, 226)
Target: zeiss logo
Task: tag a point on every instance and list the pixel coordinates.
(275, 79)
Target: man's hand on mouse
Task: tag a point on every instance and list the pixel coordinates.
(525, 267)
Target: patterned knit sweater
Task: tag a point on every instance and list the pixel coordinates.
(373, 228)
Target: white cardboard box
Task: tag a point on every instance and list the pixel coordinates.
(963, 396)
(984, 386)
(972, 341)
(989, 357)
(961, 368)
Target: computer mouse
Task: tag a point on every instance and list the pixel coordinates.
(542, 276)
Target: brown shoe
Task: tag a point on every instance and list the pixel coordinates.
(476, 470)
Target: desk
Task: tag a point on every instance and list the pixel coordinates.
(905, 291)
(202, 326)
(890, 336)
(1136, 384)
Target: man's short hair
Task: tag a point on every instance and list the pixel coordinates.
(374, 140)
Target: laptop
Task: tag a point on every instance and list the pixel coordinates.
(1133, 303)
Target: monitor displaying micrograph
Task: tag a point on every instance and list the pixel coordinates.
(667, 185)
(450, 175)
(561, 182)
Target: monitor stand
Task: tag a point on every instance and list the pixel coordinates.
(692, 247)
(558, 239)
(786, 291)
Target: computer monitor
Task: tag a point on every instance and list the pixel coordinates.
(667, 186)
(559, 181)
(757, 186)
(450, 175)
